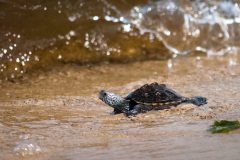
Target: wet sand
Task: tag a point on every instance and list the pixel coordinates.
(57, 115)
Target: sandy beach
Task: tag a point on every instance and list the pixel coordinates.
(57, 114)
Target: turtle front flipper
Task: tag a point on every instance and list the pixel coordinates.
(117, 111)
(139, 108)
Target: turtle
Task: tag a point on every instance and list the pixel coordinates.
(148, 97)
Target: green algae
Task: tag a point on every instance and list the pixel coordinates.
(224, 126)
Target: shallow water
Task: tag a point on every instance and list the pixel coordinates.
(57, 55)
(57, 115)
(42, 34)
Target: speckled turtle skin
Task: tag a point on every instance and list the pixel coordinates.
(152, 96)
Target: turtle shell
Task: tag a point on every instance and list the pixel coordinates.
(154, 93)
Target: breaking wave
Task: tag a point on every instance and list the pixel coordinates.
(37, 34)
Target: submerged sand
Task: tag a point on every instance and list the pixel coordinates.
(57, 115)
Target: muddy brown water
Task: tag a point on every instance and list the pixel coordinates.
(57, 115)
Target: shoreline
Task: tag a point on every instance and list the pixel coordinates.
(59, 113)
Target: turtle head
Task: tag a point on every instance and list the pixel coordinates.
(111, 99)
